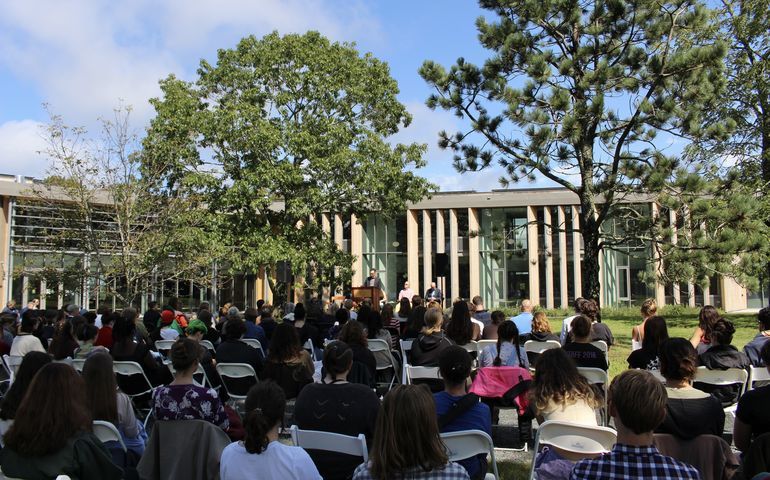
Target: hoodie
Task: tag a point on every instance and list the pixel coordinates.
(428, 348)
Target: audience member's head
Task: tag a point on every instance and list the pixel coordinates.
(260, 302)
(558, 382)
(185, 355)
(265, 405)
(251, 314)
(764, 354)
(196, 329)
(101, 387)
(454, 364)
(526, 305)
(763, 318)
(678, 360)
(205, 316)
(404, 307)
(353, 334)
(29, 323)
(655, 333)
(507, 332)
(30, 365)
(460, 328)
(299, 312)
(416, 321)
(637, 402)
(373, 324)
(51, 412)
(590, 309)
(167, 318)
(581, 329)
(649, 308)
(577, 304)
(130, 314)
(433, 321)
(407, 417)
(722, 332)
(90, 317)
(338, 359)
(540, 323)
(123, 330)
(266, 311)
(707, 316)
(204, 306)
(234, 329)
(285, 346)
(478, 302)
(498, 317)
(342, 316)
(417, 301)
(387, 313)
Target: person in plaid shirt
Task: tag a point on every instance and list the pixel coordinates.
(637, 403)
(406, 440)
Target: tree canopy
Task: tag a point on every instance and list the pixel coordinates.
(279, 130)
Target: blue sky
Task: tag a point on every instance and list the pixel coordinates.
(84, 57)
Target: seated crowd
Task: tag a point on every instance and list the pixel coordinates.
(47, 412)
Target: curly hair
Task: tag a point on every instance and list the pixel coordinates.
(558, 382)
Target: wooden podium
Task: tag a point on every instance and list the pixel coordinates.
(372, 294)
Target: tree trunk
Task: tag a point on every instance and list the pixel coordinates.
(589, 229)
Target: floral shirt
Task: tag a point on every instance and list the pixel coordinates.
(189, 402)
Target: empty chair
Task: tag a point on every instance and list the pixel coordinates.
(230, 372)
(757, 374)
(131, 379)
(421, 373)
(406, 346)
(575, 441)
(468, 443)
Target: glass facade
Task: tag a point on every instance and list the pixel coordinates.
(503, 263)
(384, 249)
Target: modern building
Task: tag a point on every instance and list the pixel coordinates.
(504, 245)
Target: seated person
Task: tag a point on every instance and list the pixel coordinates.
(196, 330)
(415, 324)
(689, 412)
(560, 393)
(182, 399)
(456, 409)
(86, 338)
(233, 350)
(288, 364)
(305, 329)
(127, 349)
(637, 403)
(261, 454)
(707, 316)
(51, 434)
(431, 342)
(26, 341)
(30, 365)
(461, 330)
(354, 336)
(490, 331)
(580, 349)
(751, 418)
(341, 318)
(648, 309)
(721, 356)
(339, 407)
(646, 357)
(541, 329)
(599, 330)
(753, 348)
(406, 440)
(64, 343)
(508, 352)
(253, 328)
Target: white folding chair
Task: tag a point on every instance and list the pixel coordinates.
(78, 363)
(308, 345)
(757, 374)
(124, 370)
(377, 345)
(482, 344)
(11, 365)
(235, 370)
(208, 346)
(469, 443)
(580, 440)
(422, 373)
(471, 347)
(164, 345)
(406, 347)
(602, 345)
(723, 378)
(330, 442)
(106, 432)
(597, 376)
(254, 343)
(533, 346)
(200, 372)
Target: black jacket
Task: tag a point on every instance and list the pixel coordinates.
(427, 349)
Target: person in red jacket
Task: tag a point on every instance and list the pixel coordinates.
(104, 337)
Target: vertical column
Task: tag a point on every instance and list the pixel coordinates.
(562, 224)
(268, 291)
(534, 267)
(660, 289)
(733, 295)
(427, 251)
(577, 268)
(707, 293)
(440, 235)
(338, 239)
(326, 227)
(5, 245)
(674, 239)
(473, 251)
(548, 245)
(412, 250)
(356, 249)
(454, 259)
(688, 232)
(259, 283)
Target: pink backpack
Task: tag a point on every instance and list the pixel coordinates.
(509, 383)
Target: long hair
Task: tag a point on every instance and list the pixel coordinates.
(707, 317)
(507, 332)
(265, 405)
(406, 434)
(460, 328)
(64, 342)
(557, 382)
(405, 307)
(353, 334)
(50, 413)
(655, 333)
(678, 360)
(284, 346)
(101, 387)
(374, 324)
(416, 320)
(30, 365)
(540, 323)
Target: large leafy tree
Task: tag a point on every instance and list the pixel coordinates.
(279, 130)
(577, 92)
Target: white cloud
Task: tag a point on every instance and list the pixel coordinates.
(20, 142)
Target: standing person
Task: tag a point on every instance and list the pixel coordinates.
(754, 347)
(10, 307)
(434, 294)
(457, 410)
(523, 320)
(408, 418)
(261, 454)
(637, 403)
(339, 407)
(406, 292)
(649, 309)
(51, 434)
(580, 350)
(373, 280)
(655, 333)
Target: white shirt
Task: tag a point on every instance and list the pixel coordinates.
(98, 321)
(23, 344)
(277, 462)
(479, 323)
(168, 333)
(407, 292)
(566, 327)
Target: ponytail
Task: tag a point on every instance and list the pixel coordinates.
(265, 406)
(507, 331)
(497, 360)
